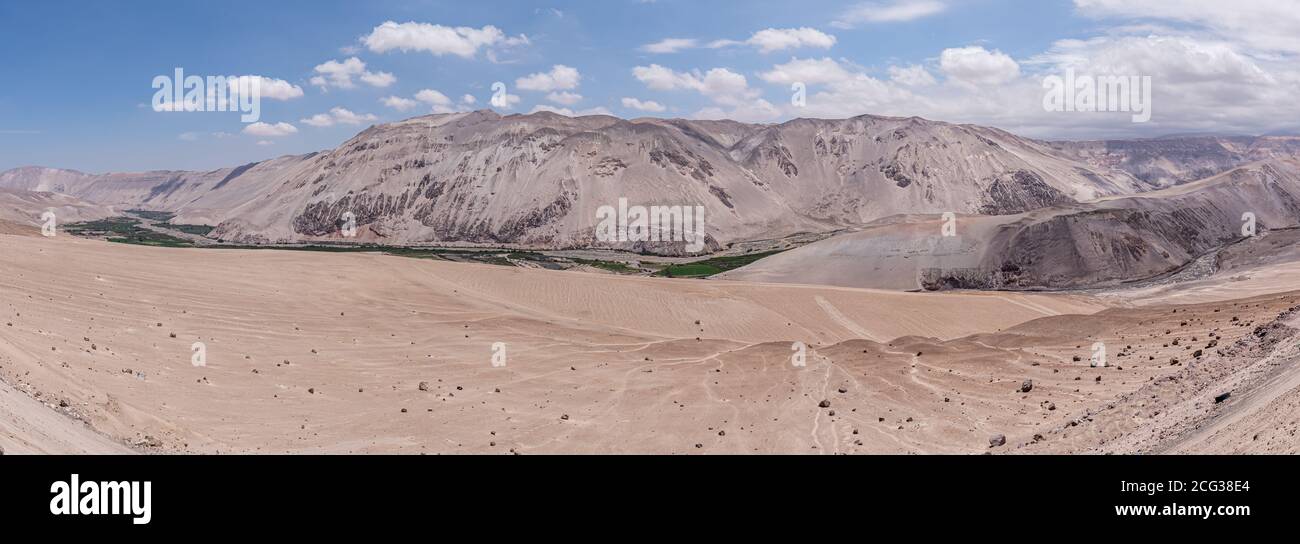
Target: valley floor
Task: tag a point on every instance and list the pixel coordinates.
(362, 353)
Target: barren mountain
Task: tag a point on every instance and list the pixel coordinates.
(1107, 241)
(1175, 160)
(26, 208)
(537, 180)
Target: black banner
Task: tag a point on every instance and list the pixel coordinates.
(322, 493)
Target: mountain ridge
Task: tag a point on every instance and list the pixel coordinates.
(535, 180)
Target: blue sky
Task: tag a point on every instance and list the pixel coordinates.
(77, 90)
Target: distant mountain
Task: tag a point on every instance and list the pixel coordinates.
(25, 208)
(537, 180)
(1111, 240)
(1179, 159)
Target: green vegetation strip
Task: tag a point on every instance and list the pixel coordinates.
(126, 230)
(712, 266)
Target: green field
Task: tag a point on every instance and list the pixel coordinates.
(201, 230)
(712, 266)
(153, 216)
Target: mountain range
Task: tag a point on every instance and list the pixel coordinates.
(536, 181)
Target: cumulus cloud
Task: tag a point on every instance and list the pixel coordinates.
(807, 71)
(1198, 85)
(643, 105)
(911, 76)
(560, 77)
(776, 39)
(274, 89)
(433, 98)
(378, 79)
(975, 66)
(570, 113)
(346, 117)
(730, 92)
(338, 116)
(438, 40)
(564, 97)
(398, 103)
(468, 99)
(334, 73)
(1261, 25)
(268, 130)
(888, 12)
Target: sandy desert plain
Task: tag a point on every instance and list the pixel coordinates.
(314, 352)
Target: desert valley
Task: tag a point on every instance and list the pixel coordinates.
(476, 310)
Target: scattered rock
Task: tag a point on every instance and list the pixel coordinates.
(997, 440)
(1027, 386)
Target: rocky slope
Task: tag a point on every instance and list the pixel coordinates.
(1103, 242)
(24, 209)
(1175, 160)
(537, 180)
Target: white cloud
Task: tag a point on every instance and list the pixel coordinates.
(1197, 86)
(347, 117)
(660, 78)
(333, 73)
(776, 39)
(560, 77)
(669, 45)
(437, 40)
(570, 113)
(378, 79)
(728, 90)
(188, 136)
(975, 65)
(564, 97)
(398, 103)
(1263, 25)
(889, 12)
(340, 116)
(274, 89)
(268, 130)
(806, 71)
(468, 99)
(265, 142)
(433, 98)
(647, 105)
(318, 120)
(911, 76)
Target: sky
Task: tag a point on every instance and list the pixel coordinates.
(77, 88)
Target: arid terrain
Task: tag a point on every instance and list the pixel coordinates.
(367, 353)
(474, 312)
